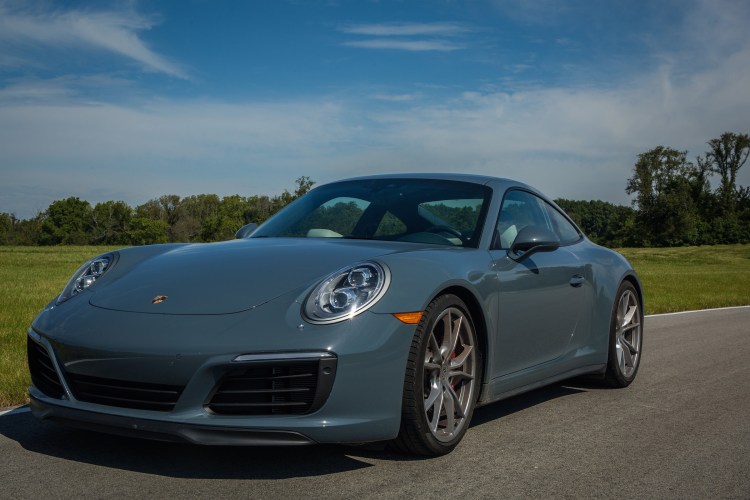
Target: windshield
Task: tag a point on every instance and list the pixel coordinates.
(416, 210)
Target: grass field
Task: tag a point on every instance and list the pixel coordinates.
(29, 278)
(674, 279)
(688, 278)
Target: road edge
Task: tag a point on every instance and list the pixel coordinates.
(696, 311)
(13, 411)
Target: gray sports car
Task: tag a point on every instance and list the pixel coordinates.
(383, 308)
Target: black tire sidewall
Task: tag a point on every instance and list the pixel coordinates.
(433, 312)
(614, 374)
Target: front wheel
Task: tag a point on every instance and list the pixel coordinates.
(442, 379)
(625, 337)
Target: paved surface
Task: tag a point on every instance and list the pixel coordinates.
(680, 431)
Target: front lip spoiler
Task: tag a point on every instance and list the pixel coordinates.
(164, 431)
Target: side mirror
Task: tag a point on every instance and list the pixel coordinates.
(532, 239)
(246, 230)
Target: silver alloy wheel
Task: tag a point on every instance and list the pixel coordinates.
(628, 334)
(450, 367)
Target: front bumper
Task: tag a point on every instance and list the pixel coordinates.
(161, 430)
(363, 403)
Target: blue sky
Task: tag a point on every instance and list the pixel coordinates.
(132, 100)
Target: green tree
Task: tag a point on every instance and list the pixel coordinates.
(724, 213)
(666, 212)
(227, 220)
(151, 210)
(28, 231)
(303, 185)
(191, 214)
(110, 222)
(259, 208)
(603, 222)
(727, 154)
(6, 228)
(67, 222)
(167, 218)
(145, 231)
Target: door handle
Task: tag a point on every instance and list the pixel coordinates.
(577, 280)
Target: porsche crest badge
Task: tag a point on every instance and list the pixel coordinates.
(159, 299)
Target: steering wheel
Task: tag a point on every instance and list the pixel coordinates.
(446, 229)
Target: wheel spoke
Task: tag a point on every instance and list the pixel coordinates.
(455, 334)
(435, 348)
(622, 308)
(459, 377)
(459, 411)
(620, 353)
(435, 393)
(627, 357)
(629, 316)
(450, 410)
(459, 360)
(431, 367)
(446, 347)
(630, 347)
(629, 327)
(437, 406)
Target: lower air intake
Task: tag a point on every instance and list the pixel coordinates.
(124, 394)
(42, 369)
(275, 387)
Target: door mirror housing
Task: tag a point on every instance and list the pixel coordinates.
(532, 239)
(246, 230)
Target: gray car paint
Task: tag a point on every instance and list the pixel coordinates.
(245, 296)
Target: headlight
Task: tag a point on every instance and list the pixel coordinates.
(86, 276)
(347, 292)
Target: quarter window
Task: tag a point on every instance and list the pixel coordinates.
(566, 231)
(521, 209)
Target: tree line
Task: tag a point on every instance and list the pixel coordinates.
(166, 219)
(674, 205)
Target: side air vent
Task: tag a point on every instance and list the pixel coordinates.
(42, 369)
(274, 387)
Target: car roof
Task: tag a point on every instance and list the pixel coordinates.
(489, 180)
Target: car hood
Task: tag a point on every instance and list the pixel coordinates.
(229, 277)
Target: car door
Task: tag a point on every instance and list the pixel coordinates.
(541, 297)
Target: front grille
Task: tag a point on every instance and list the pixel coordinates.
(42, 369)
(279, 387)
(124, 394)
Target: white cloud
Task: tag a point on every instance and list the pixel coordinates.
(573, 142)
(104, 151)
(411, 37)
(396, 97)
(408, 45)
(407, 29)
(110, 31)
(576, 143)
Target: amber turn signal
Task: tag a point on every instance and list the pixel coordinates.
(411, 318)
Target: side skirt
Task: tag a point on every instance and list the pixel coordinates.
(502, 388)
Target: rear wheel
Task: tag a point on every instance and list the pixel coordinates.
(625, 337)
(442, 379)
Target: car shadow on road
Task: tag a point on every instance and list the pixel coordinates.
(500, 409)
(179, 460)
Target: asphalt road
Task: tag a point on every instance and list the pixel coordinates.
(681, 430)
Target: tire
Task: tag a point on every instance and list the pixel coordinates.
(443, 376)
(625, 337)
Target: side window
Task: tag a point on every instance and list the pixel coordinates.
(566, 231)
(520, 209)
(389, 226)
